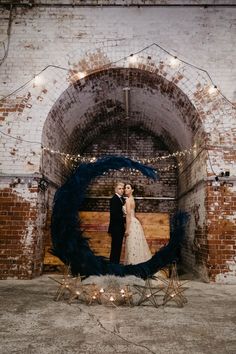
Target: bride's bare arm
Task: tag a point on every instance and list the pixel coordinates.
(128, 217)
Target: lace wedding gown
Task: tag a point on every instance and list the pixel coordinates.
(136, 246)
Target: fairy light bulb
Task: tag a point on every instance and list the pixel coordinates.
(39, 80)
(81, 74)
(132, 59)
(212, 90)
(174, 61)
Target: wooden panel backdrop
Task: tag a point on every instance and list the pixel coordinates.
(95, 225)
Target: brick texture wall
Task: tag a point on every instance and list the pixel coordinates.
(76, 106)
(21, 235)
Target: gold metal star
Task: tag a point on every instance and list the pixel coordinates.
(67, 284)
(127, 295)
(76, 288)
(64, 282)
(91, 294)
(148, 293)
(174, 289)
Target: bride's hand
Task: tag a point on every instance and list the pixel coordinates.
(126, 233)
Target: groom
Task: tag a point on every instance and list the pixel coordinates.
(117, 223)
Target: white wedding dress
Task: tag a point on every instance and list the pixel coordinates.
(136, 246)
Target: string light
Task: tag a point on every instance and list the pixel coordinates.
(132, 58)
(87, 159)
(75, 160)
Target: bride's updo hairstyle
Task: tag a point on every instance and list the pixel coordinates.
(131, 185)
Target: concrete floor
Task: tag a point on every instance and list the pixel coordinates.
(32, 323)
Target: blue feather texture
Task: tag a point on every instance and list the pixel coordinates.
(71, 245)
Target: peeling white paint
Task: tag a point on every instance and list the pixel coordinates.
(27, 239)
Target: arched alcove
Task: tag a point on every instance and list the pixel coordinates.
(96, 104)
(90, 116)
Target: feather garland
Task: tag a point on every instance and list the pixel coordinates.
(71, 245)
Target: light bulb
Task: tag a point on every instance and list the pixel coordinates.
(39, 80)
(174, 61)
(212, 89)
(80, 75)
(132, 59)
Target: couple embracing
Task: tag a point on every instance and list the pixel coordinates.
(123, 223)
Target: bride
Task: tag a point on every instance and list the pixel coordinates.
(136, 246)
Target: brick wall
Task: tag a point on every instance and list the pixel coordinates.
(141, 144)
(221, 230)
(79, 98)
(20, 237)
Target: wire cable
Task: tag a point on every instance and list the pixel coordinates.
(30, 80)
(108, 65)
(6, 49)
(20, 139)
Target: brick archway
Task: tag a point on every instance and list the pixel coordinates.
(96, 104)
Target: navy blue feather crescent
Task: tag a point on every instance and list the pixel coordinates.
(68, 241)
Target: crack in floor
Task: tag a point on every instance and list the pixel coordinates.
(115, 333)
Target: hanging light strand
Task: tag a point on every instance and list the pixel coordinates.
(86, 159)
(127, 57)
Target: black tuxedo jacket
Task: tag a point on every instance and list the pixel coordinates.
(117, 220)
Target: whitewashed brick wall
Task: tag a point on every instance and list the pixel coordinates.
(42, 36)
(71, 37)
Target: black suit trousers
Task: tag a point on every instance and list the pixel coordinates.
(116, 246)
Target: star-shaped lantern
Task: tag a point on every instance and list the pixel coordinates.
(148, 292)
(174, 289)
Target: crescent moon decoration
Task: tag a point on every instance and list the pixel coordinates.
(71, 246)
